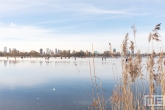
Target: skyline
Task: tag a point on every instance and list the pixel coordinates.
(71, 24)
(48, 50)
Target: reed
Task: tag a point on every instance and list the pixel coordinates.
(133, 84)
(128, 95)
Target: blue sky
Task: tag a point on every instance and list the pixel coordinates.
(76, 24)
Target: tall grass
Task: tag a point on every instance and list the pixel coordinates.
(128, 95)
(137, 79)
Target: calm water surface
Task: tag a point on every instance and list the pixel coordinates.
(39, 84)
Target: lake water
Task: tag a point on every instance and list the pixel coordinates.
(39, 84)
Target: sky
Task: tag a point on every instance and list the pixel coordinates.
(77, 24)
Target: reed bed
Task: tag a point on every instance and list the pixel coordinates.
(137, 79)
(129, 94)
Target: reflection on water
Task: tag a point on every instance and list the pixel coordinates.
(5, 62)
(50, 61)
(40, 62)
(54, 84)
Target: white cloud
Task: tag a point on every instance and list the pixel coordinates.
(33, 38)
(12, 24)
(1, 23)
(10, 6)
(25, 6)
(91, 9)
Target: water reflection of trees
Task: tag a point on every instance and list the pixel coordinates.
(5, 62)
(13, 61)
(41, 62)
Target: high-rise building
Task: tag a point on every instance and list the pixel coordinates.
(73, 52)
(114, 50)
(81, 51)
(95, 52)
(41, 51)
(47, 50)
(51, 52)
(9, 50)
(59, 51)
(5, 49)
(56, 52)
(68, 52)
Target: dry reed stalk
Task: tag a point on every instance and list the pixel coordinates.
(99, 102)
(132, 46)
(134, 31)
(132, 69)
(126, 101)
(125, 45)
(155, 76)
(150, 68)
(96, 86)
(160, 78)
(91, 80)
(83, 81)
(128, 94)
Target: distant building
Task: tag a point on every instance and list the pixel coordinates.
(73, 52)
(41, 51)
(51, 52)
(114, 50)
(86, 52)
(56, 52)
(32, 51)
(81, 51)
(118, 53)
(9, 50)
(5, 49)
(90, 53)
(59, 51)
(106, 53)
(47, 50)
(68, 51)
(64, 51)
(95, 52)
